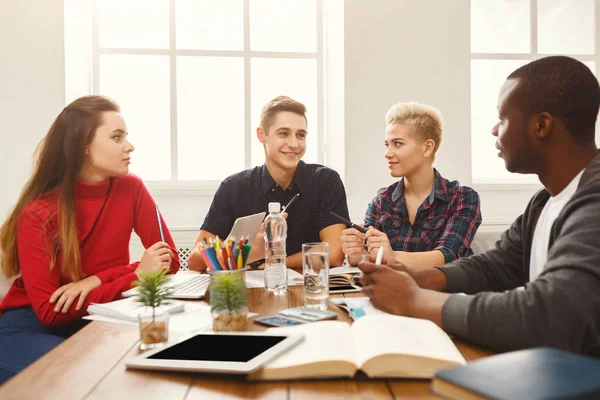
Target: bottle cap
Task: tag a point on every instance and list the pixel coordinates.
(274, 207)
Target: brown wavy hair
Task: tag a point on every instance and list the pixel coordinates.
(59, 158)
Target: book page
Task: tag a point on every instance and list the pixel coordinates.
(382, 334)
(323, 341)
(343, 270)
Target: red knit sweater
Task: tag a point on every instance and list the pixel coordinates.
(104, 249)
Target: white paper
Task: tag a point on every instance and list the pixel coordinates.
(256, 279)
(196, 317)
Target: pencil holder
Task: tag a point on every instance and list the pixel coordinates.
(228, 300)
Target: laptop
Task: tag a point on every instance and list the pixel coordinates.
(247, 227)
(186, 285)
(191, 285)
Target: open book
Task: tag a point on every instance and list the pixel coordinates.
(379, 345)
(344, 276)
(344, 279)
(128, 309)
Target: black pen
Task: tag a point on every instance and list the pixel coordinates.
(291, 202)
(256, 264)
(349, 223)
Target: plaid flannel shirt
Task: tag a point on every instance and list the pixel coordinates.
(446, 220)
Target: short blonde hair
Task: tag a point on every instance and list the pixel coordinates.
(424, 121)
(277, 105)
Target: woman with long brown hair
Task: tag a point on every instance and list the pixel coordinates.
(68, 235)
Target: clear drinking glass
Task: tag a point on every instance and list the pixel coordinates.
(315, 268)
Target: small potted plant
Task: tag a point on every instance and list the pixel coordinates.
(152, 292)
(228, 300)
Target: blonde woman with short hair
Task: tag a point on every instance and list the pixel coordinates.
(423, 220)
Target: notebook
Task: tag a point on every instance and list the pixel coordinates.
(344, 276)
(129, 309)
(357, 306)
(540, 373)
(382, 346)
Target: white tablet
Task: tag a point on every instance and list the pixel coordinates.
(247, 227)
(220, 352)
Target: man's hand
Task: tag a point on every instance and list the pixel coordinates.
(377, 239)
(390, 288)
(67, 294)
(353, 241)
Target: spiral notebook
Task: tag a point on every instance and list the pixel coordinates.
(129, 309)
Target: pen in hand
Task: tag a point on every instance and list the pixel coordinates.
(290, 203)
(162, 234)
(349, 223)
(379, 257)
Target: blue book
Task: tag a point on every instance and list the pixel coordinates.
(541, 373)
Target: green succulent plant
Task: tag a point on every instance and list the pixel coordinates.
(152, 291)
(228, 292)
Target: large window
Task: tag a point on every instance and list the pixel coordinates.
(192, 76)
(506, 34)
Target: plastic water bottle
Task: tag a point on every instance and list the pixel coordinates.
(275, 235)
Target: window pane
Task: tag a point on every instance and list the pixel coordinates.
(566, 27)
(295, 78)
(289, 25)
(140, 84)
(133, 23)
(210, 117)
(591, 65)
(500, 26)
(209, 24)
(487, 77)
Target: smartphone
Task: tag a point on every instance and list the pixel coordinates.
(344, 289)
(276, 320)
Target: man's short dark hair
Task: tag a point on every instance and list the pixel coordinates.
(563, 87)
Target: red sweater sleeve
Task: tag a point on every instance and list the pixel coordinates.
(145, 222)
(41, 282)
(146, 227)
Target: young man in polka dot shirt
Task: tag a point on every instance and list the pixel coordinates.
(283, 134)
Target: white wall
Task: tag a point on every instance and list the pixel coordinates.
(402, 51)
(394, 51)
(32, 86)
(408, 50)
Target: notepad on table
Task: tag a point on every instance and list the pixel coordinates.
(379, 345)
(344, 276)
(128, 309)
(357, 307)
(540, 373)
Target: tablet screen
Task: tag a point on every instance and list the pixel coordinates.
(231, 348)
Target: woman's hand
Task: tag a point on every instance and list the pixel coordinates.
(353, 241)
(156, 257)
(377, 239)
(67, 294)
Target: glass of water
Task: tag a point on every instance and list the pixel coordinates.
(315, 268)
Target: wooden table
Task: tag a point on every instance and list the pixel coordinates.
(91, 365)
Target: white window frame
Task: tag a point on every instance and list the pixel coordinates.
(208, 187)
(531, 56)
